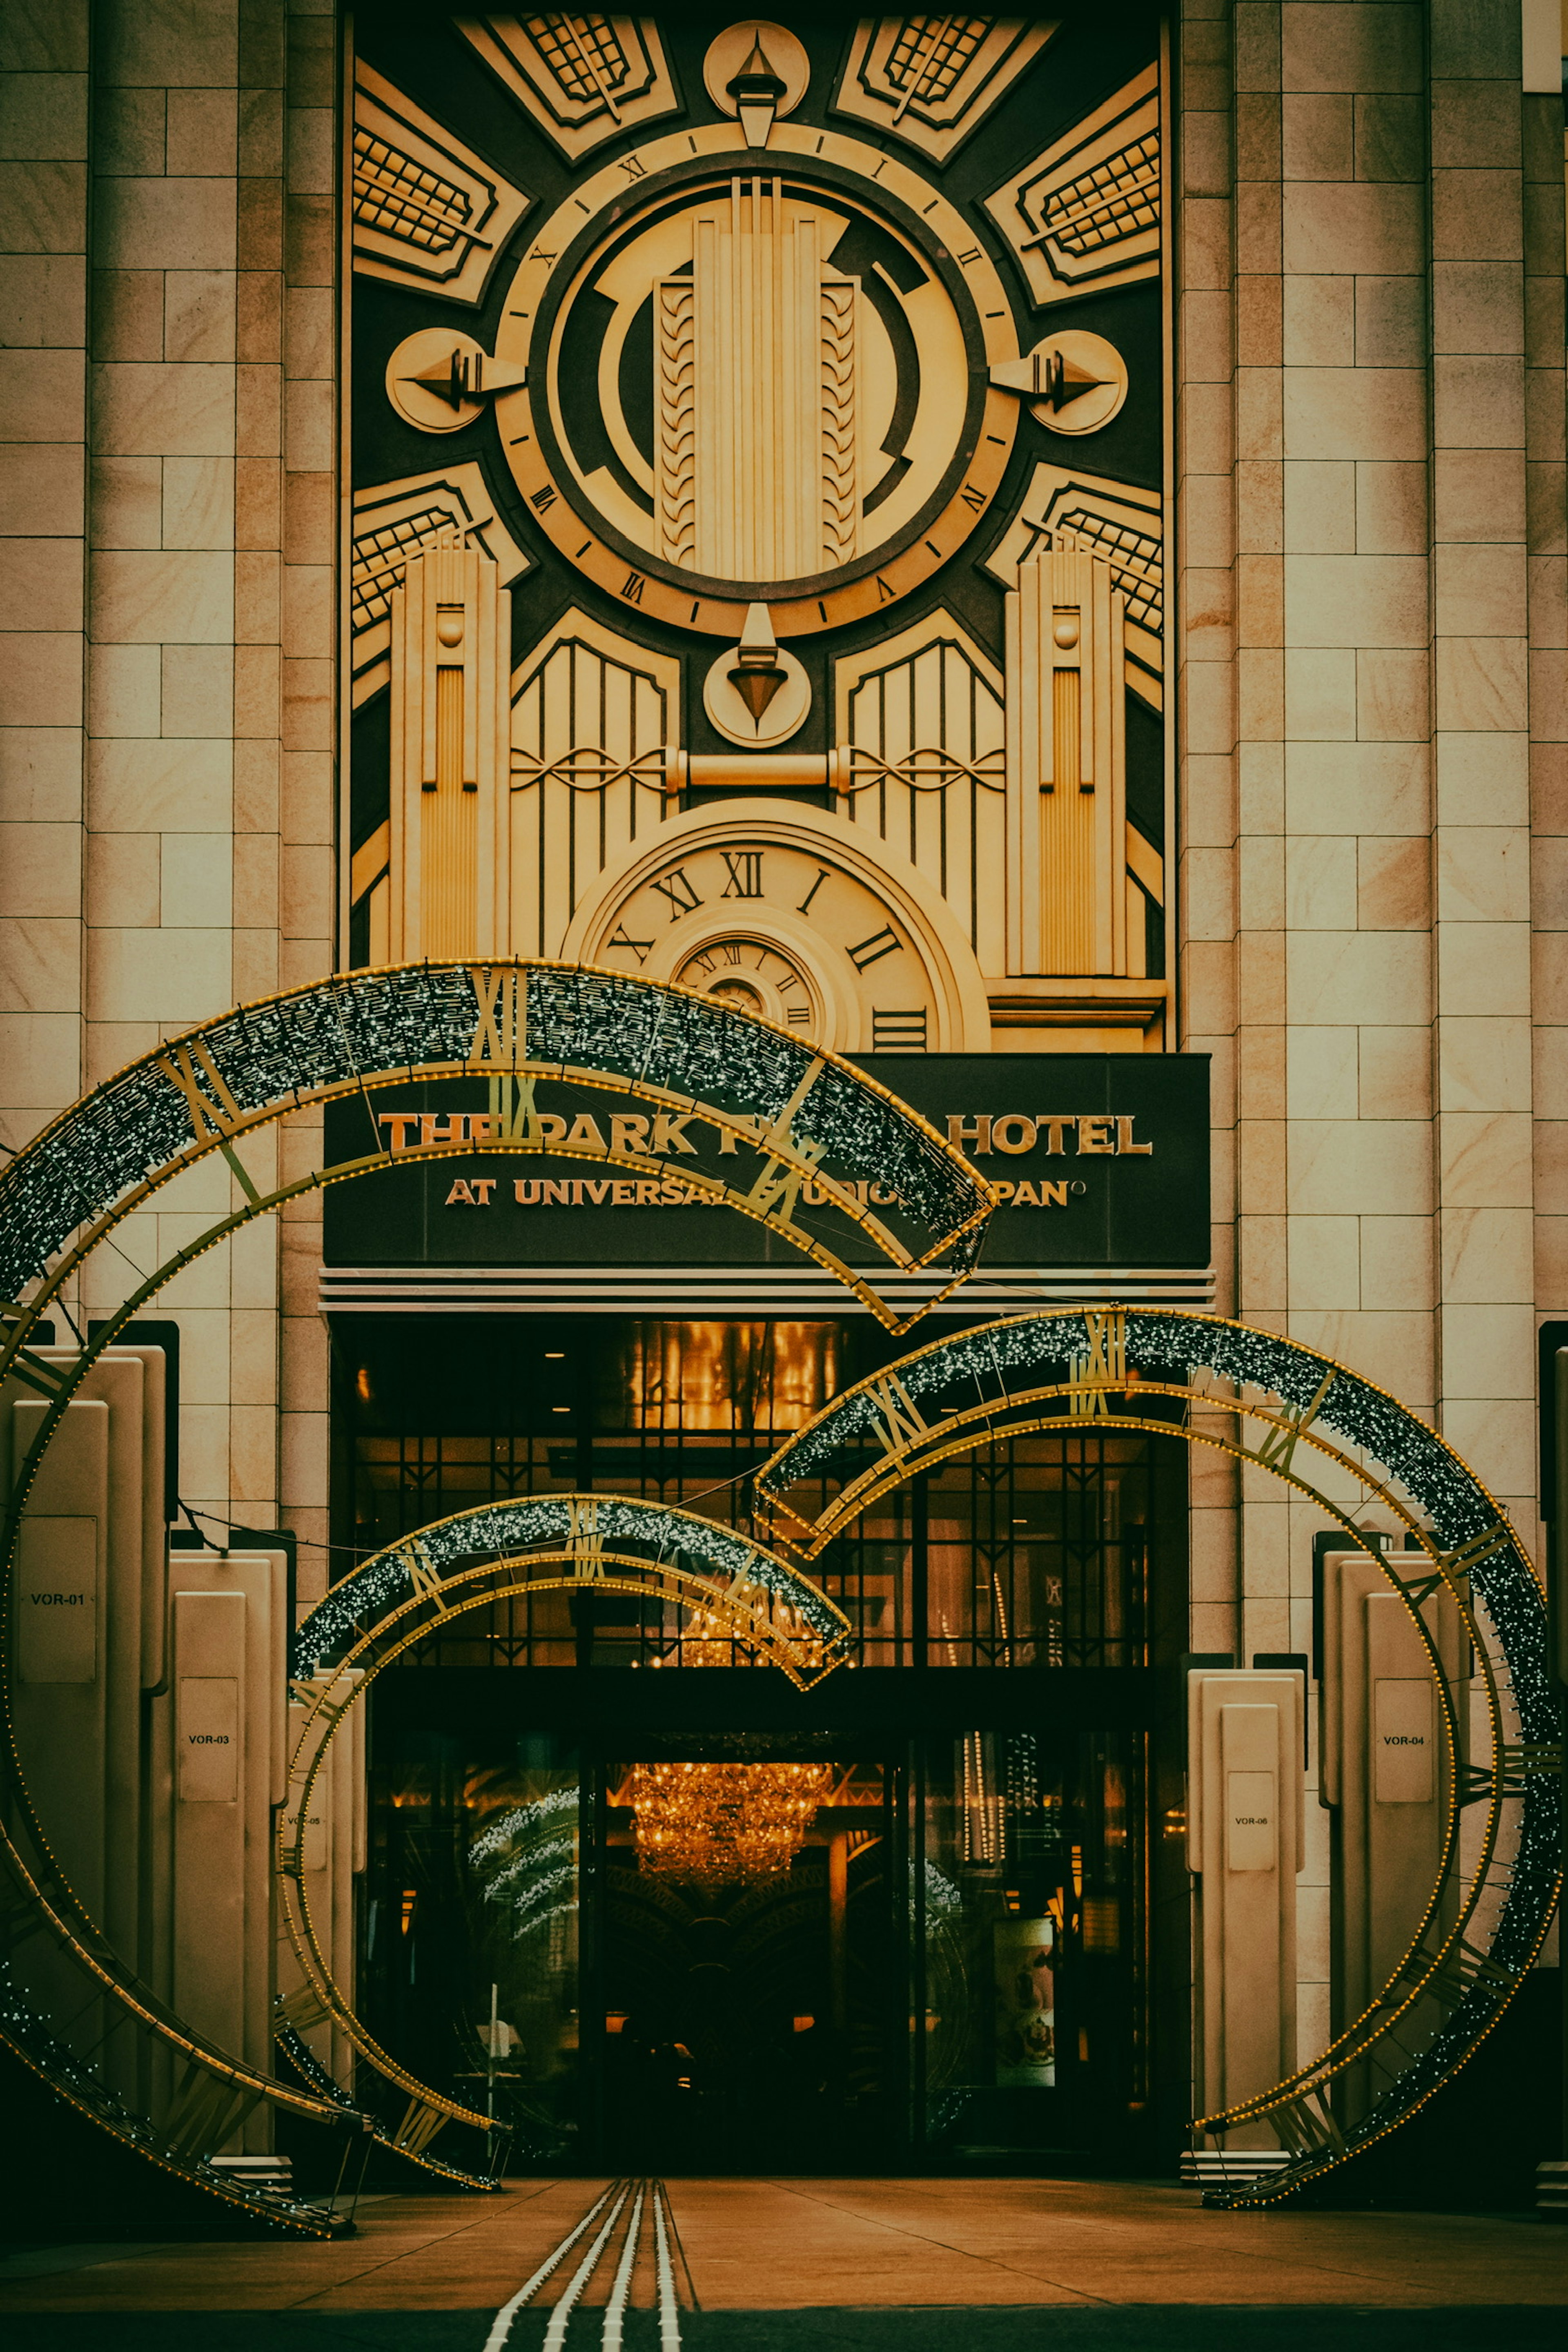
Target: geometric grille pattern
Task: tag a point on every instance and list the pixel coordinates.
(380, 557)
(930, 52)
(427, 212)
(1120, 523)
(392, 520)
(393, 194)
(1116, 199)
(1087, 212)
(1133, 556)
(932, 81)
(584, 53)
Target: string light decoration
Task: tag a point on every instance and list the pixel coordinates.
(717, 1825)
(1269, 1401)
(809, 1114)
(745, 1584)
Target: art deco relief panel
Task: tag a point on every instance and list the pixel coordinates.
(758, 525)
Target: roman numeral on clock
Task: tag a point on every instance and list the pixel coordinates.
(621, 938)
(870, 952)
(745, 871)
(676, 886)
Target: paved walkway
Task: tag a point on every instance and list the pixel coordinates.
(836, 2248)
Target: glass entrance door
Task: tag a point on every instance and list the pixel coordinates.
(1029, 1949)
(747, 1962)
(975, 1953)
(751, 1953)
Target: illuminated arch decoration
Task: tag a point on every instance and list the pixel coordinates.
(808, 1114)
(804, 1113)
(589, 1544)
(1102, 1369)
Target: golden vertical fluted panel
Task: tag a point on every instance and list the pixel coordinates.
(1066, 838)
(450, 831)
(450, 865)
(756, 399)
(1067, 786)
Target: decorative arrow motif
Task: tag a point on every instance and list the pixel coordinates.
(1074, 382)
(468, 377)
(1047, 374)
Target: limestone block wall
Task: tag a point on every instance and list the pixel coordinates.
(168, 259)
(1368, 245)
(1370, 441)
(43, 515)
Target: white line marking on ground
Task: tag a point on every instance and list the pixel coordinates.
(500, 2327)
(555, 2334)
(669, 2309)
(615, 2310)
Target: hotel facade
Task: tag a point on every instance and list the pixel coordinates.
(781, 832)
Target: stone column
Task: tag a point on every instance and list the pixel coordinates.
(310, 724)
(159, 786)
(42, 406)
(1205, 671)
(167, 190)
(1546, 544)
(1482, 725)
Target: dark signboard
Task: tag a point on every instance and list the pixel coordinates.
(1103, 1158)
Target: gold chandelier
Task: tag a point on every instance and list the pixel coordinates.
(713, 1826)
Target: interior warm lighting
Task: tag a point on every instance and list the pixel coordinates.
(616, 2019)
(803, 2024)
(714, 1825)
(731, 1375)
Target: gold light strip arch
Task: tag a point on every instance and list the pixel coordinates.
(408, 1589)
(806, 1112)
(1108, 1360)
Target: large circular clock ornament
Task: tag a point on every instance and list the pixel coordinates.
(757, 377)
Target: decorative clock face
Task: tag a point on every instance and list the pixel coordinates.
(795, 389)
(754, 976)
(741, 376)
(777, 929)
